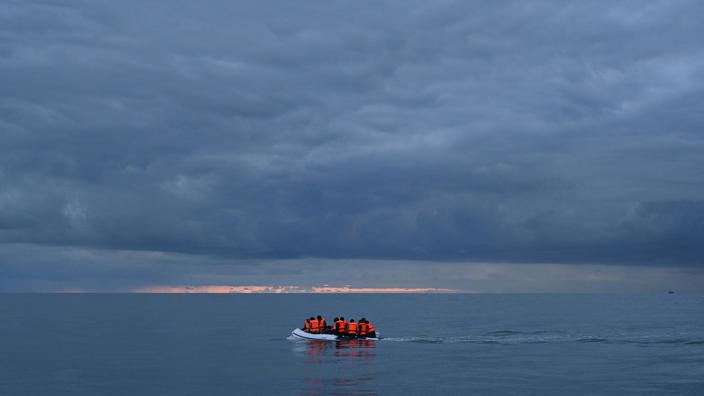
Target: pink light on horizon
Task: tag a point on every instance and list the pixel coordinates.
(348, 289)
(254, 289)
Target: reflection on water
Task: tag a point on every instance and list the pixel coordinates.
(342, 380)
(314, 350)
(363, 349)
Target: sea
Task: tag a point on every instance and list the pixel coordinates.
(446, 344)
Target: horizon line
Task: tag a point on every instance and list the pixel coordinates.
(265, 289)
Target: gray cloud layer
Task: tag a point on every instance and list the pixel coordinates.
(512, 131)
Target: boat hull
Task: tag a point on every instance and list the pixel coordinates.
(298, 333)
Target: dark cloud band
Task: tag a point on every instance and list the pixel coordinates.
(547, 132)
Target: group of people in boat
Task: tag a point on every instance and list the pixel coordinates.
(340, 327)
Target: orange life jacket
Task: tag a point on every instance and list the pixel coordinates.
(323, 324)
(307, 325)
(314, 326)
(370, 328)
(363, 328)
(352, 328)
(340, 326)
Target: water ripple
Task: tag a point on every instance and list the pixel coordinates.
(507, 337)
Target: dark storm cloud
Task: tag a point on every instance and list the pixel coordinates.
(512, 131)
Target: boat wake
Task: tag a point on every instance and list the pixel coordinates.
(507, 337)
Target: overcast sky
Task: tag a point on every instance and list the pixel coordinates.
(176, 142)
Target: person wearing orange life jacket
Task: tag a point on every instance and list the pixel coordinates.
(340, 326)
(306, 326)
(322, 325)
(371, 333)
(352, 328)
(362, 331)
(314, 325)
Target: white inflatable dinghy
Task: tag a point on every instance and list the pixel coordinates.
(325, 337)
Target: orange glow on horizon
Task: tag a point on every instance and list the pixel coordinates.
(226, 289)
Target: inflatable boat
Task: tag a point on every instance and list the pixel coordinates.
(298, 333)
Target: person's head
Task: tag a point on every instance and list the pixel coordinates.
(342, 318)
(351, 320)
(335, 320)
(319, 317)
(362, 320)
(311, 318)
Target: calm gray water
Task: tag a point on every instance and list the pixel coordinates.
(436, 344)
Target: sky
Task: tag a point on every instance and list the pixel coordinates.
(504, 146)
